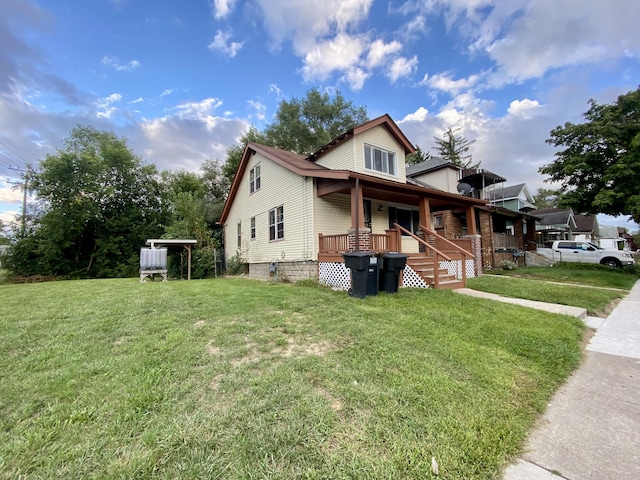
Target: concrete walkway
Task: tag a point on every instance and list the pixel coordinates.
(591, 429)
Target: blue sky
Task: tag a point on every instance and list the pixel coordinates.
(183, 80)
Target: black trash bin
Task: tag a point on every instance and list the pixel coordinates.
(364, 273)
(392, 265)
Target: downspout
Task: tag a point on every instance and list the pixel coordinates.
(357, 214)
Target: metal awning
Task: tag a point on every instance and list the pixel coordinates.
(186, 243)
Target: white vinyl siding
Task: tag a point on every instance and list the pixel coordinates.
(380, 138)
(279, 187)
(340, 157)
(444, 178)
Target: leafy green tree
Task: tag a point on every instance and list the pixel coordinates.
(99, 205)
(547, 198)
(599, 166)
(418, 157)
(304, 125)
(455, 149)
(234, 154)
(301, 126)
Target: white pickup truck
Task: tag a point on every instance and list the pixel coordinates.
(585, 252)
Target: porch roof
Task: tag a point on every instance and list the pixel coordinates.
(387, 190)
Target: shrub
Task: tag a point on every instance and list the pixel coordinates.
(507, 265)
(236, 265)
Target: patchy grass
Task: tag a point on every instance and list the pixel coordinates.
(233, 378)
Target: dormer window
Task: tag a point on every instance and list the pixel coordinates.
(254, 179)
(379, 160)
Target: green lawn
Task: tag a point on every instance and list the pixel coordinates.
(541, 284)
(233, 378)
(581, 274)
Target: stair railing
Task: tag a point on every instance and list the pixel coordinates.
(437, 253)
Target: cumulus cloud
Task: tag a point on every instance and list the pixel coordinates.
(340, 53)
(402, 67)
(379, 52)
(222, 44)
(117, 66)
(259, 108)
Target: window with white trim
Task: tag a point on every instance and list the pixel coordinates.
(379, 160)
(253, 228)
(276, 223)
(239, 234)
(254, 179)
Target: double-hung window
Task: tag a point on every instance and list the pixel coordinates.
(254, 179)
(239, 234)
(276, 223)
(253, 228)
(379, 160)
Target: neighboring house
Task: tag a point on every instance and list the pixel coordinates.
(609, 237)
(293, 216)
(554, 224)
(514, 197)
(506, 231)
(587, 228)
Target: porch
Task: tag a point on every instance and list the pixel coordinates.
(437, 262)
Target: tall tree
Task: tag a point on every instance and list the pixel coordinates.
(304, 125)
(418, 157)
(301, 126)
(100, 203)
(234, 154)
(599, 166)
(455, 149)
(547, 198)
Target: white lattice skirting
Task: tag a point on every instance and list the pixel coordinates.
(453, 268)
(334, 274)
(411, 279)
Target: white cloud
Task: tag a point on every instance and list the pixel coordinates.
(168, 91)
(260, 109)
(356, 77)
(380, 51)
(128, 67)
(524, 108)
(420, 115)
(222, 8)
(402, 67)
(222, 44)
(105, 110)
(446, 83)
(340, 53)
(9, 194)
(8, 216)
(137, 100)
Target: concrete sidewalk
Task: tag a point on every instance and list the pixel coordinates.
(591, 429)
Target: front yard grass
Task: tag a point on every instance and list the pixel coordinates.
(234, 378)
(542, 284)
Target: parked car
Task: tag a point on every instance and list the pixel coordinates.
(585, 252)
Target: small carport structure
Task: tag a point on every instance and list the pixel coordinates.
(165, 242)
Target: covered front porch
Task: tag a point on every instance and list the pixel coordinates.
(387, 216)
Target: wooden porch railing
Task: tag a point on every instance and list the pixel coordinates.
(432, 251)
(504, 242)
(333, 243)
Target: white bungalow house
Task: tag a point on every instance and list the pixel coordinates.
(294, 216)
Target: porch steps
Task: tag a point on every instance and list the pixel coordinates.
(425, 267)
